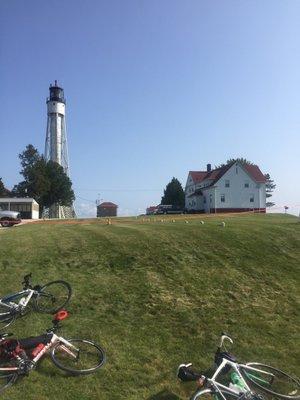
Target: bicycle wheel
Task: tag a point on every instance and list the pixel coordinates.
(53, 296)
(78, 356)
(6, 316)
(7, 378)
(272, 380)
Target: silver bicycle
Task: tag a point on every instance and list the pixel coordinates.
(75, 356)
(242, 378)
(48, 298)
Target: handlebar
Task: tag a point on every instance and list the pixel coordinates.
(225, 336)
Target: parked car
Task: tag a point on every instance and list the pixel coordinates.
(9, 218)
(168, 209)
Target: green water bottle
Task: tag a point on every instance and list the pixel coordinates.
(237, 381)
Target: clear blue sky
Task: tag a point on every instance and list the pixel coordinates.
(154, 89)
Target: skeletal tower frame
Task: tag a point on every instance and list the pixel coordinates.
(56, 148)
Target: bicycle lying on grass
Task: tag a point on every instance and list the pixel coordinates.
(263, 378)
(19, 357)
(48, 298)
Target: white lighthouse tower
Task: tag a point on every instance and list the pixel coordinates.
(56, 148)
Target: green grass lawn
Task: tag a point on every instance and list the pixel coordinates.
(157, 294)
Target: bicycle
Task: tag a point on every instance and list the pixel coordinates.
(48, 298)
(75, 356)
(265, 379)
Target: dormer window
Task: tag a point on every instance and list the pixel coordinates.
(246, 184)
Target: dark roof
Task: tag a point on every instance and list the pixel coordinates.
(107, 204)
(198, 176)
(216, 174)
(255, 172)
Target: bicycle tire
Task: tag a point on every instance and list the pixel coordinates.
(6, 317)
(62, 359)
(279, 384)
(45, 294)
(7, 379)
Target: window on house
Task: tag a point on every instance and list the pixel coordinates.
(227, 183)
(251, 198)
(210, 198)
(204, 199)
(246, 184)
(222, 198)
(236, 170)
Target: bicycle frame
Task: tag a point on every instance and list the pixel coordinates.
(219, 388)
(23, 302)
(66, 346)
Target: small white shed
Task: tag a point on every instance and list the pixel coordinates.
(26, 206)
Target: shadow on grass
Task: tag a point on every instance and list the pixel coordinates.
(164, 395)
(47, 368)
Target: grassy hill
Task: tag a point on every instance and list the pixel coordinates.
(155, 294)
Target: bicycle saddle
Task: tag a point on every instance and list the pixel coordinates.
(186, 374)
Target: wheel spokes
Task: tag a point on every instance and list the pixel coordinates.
(83, 356)
(53, 296)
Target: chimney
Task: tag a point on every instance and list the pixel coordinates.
(208, 167)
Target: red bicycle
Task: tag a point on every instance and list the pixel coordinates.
(19, 357)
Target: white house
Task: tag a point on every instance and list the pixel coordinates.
(234, 187)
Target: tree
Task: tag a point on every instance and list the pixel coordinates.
(3, 191)
(270, 186)
(45, 181)
(60, 186)
(233, 160)
(174, 194)
(29, 157)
